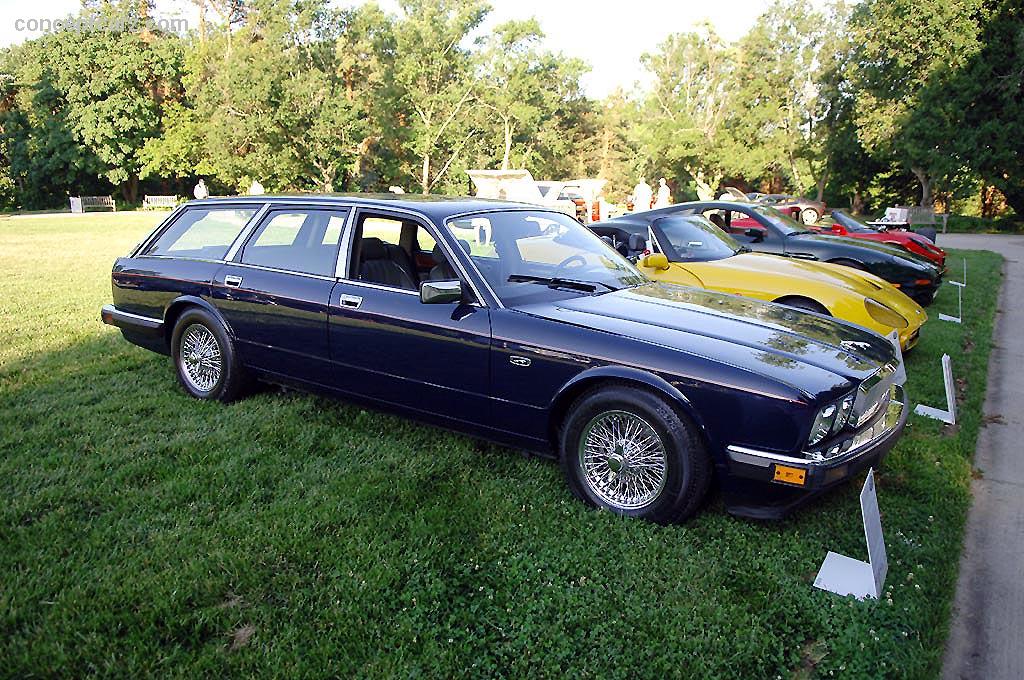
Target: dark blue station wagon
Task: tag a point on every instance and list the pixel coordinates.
(515, 324)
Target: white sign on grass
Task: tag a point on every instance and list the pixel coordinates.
(949, 415)
(844, 575)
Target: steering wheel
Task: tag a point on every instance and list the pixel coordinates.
(564, 264)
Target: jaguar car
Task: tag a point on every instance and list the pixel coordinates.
(690, 250)
(517, 325)
(765, 229)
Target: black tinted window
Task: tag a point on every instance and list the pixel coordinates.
(303, 241)
(205, 233)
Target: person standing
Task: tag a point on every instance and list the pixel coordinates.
(664, 199)
(642, 195)
(201, 191)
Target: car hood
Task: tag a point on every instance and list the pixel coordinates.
(766, 338)
(802, 271)
(881, 250)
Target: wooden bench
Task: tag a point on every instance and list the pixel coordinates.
(80, 204)
(158, 202)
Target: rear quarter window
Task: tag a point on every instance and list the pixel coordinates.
(203, 233)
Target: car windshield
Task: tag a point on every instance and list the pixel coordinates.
(531, 256)
(693, 238)
(787, 225)
(851, 225)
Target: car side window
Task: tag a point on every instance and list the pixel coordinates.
(304, 241)
(203, 233)
(397, 253)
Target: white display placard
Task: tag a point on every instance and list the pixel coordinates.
(949, 415)
(960, 303)
(844, 575)
(877, 558)
(901, 372)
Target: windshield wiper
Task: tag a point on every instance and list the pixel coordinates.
(559, 282)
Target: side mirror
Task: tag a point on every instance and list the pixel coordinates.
(440, 292)
(655, 261)
(637, 243)
(755, 233)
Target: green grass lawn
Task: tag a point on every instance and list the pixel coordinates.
(145, 533)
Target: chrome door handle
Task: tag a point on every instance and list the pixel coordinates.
(350, 301)
(232, 280)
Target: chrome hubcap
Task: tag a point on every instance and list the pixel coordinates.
(623, 460)
(200, 358)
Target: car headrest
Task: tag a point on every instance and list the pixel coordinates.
(372, 249)
(637, 242)
(465, 246)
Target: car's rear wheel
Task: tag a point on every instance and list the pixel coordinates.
(629, 451)
(204, 357)
(810, 216)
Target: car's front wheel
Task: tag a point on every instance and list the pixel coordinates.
(205, 358)
(629, 451)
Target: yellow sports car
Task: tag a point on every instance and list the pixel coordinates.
(691, 251)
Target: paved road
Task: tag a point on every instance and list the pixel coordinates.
(986, 638)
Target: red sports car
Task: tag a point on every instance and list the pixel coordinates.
(845, 225)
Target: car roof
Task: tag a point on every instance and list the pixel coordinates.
(437, 208)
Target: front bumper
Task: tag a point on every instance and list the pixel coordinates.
(766, 485)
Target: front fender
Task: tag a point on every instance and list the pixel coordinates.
(583, 381)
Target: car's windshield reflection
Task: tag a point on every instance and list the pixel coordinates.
(533, 256)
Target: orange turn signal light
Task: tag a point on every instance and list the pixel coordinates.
(790, 475)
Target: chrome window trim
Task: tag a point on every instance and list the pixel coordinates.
(378, 286)
(186, 259)
(278, 270)
(341, 267)
(247, 230)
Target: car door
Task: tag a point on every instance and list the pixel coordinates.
(275, 292)
(389, 346)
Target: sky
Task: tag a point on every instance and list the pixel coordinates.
(609, 36)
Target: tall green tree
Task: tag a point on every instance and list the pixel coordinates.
(686, 117)
(906, 55)
(434, 71)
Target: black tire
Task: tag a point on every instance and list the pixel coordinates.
(804, 303)
(230, 381)
(687, 468)
(852, 264)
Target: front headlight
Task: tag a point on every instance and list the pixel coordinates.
(884, 315)
(831, 419)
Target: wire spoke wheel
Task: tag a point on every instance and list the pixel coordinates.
(623, 460)
(200, 358)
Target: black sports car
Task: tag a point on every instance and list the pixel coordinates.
(764, 229)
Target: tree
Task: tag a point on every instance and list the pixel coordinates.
(906, 52)
(434, 72)
(685, 118)
(987, 98)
